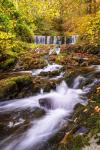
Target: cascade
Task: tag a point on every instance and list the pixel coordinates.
(58, 104)
(39, 39)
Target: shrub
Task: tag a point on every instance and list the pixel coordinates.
(24, 32)
(7, 4)
(4, 22)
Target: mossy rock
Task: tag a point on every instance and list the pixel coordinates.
(43, 83)
(27, 116)
(15, 87)
(70, 76)
(77, 143)
(7, 64)
(29, 61)
(88, 48)
(51, 74)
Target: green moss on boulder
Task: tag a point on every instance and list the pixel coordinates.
(15, 87)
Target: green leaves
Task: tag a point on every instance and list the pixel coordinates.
(7, 4)
(4, 22)
(93, 30)
(23, 31)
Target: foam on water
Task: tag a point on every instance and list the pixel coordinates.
(50, 67)
(77, 81)
(96, 67)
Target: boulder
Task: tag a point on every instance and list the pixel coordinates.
(45, 102)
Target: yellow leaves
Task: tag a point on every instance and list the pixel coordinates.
(68, 136)
(97, 109)
(5, 40)
(98, 90)
(97, 1)
(85, 110)
(5, 35)
(59, 58)
(82, 23)
(75, 120)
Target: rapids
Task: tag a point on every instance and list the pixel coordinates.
(49, 67)
(58, 105)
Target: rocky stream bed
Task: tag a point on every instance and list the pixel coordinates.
(51, 102)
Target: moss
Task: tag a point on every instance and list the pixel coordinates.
(18, 85)
(15, 87)
(77, 143)
(30, 60)
(7, 63)
(51, 73)
(83, 116)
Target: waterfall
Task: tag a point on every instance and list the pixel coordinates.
(48, 40)
(74, 39)
(39, 39)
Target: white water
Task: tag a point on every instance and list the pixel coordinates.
(97, 67)
(40, 132)
(50, 67)
(77, 81)
(74, 39)
(55, 50)
(39, 39)
(62, 101)
(58, 77)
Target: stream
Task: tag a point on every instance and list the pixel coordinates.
(24, 130)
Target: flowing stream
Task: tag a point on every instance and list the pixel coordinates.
(49, 67)
(58, 106)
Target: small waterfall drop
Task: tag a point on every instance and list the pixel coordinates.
(50, 67)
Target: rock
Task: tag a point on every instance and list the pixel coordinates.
(8, 64)
(30, 61)
(51, 74)
(45, 102)
(38, 112)
(79, 59)
(30, 114)
(15, 87)
(84, 64)
(81, 131)
(18, 120)
(19, 85)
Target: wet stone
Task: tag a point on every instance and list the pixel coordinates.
(12, 121)
(45, 102)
